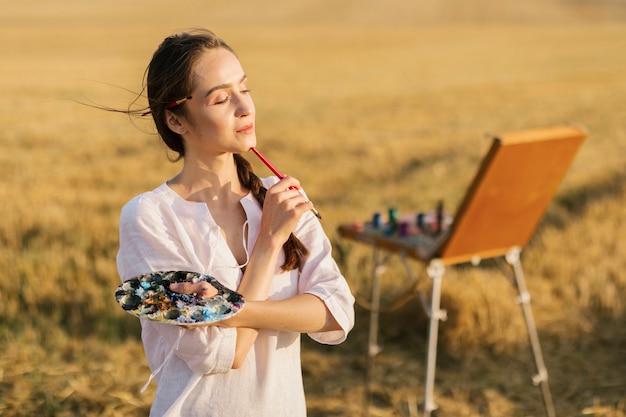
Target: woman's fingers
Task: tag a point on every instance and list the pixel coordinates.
(284, 201)
(202, 288)
(283, 208)
(287, 191)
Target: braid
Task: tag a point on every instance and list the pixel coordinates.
(294, 249)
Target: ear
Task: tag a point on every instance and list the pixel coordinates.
(174, 122)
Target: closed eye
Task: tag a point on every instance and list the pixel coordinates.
(226, 99)
(221, 97)
(223, 101)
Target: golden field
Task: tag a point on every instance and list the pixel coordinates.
(371, 105)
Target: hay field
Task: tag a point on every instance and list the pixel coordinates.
(370, 104)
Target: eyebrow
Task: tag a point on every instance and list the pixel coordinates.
(222, 86)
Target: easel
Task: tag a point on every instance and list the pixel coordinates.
(502, 207)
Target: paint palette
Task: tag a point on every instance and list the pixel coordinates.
(148, 296)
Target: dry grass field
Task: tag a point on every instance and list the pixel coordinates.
(370, 104)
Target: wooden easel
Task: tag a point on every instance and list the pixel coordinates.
(509, 195)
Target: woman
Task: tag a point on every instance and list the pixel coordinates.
(217, 217)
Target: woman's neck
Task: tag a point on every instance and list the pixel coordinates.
(212, 182)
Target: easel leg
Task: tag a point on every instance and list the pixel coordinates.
(435, 271)
(513, 258)
(372, 346)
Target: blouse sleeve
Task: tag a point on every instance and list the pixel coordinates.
(150, 242)
(321, 277)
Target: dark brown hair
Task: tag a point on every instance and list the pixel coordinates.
(168, 79)
(295, 251)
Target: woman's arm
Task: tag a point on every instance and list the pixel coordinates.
(282, 209)
(255, 285)
(303, 313)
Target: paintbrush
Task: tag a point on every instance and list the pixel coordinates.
(281, 176)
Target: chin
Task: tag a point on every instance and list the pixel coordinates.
(249, 143)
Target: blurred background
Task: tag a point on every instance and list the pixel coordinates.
(371, 105)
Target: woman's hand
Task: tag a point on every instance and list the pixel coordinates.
(202, 288)
(283, 207)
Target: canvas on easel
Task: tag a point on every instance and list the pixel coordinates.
(510, 193)
(501, 210)
(502, 207)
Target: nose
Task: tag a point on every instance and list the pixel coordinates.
(245, 105)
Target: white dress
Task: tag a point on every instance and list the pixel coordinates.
(161, 231)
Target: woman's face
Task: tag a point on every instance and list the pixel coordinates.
(220, 115)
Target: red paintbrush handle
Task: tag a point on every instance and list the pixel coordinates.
(281, 176)
(268, 163)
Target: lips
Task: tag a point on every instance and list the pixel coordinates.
(246, 129)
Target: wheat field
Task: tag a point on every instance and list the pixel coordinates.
(371, 105)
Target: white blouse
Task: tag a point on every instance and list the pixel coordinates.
(161, 231)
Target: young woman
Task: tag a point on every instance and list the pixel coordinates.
(257, 236)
